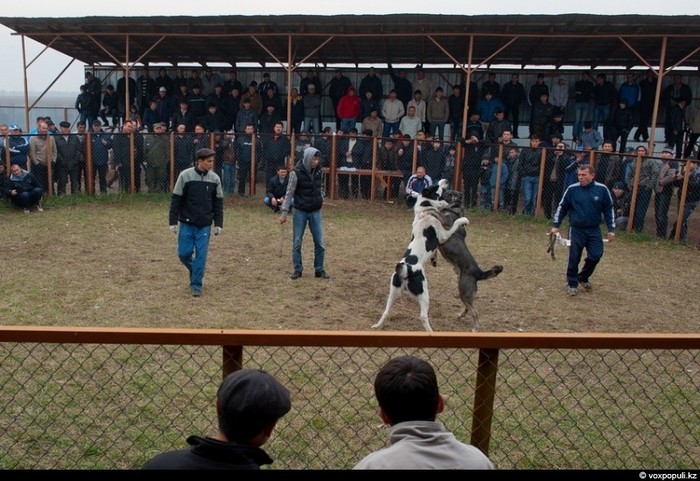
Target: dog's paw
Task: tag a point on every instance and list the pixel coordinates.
(377, 325)
(462, 221)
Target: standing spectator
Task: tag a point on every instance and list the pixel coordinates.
(604, 98)
(373, 123)
(276, 150)
(490, 85)
(367, 104)
(432, 157)
(529, 170)
(664, 191)
(266, 84)
(647, 96)
(648, 178)
(487, 108)
(675, 126)
(471, 169)
(210, 80)
(409, 400)
(622, 123)
(243, 148)
(122, 152)
(305, 191)
(392, 111)
(122, 85)
(196, 202)
(338, 87)
(437, 114)
(42, 150)
(559, 94)
(425, 85)
(585, 203)
(420, 106)
(513, 96)
(312, 110)
(246, 115)
(297, 110)
(150, 116)
(583, 99)
(232, 83)
(497, 127)
(535, 95)
(629, 92)
(372, 83)
(455, 103)
(184, 155)
(156, 153)
(254, 97)
(693, 130)
(542, 113)
(83, 104)
(164, 80)
(164, 106)
(146, 90)
(268, 119)
(24, 189)
(410, 124)
(231, 106)
(19, 147)
(403, 87)
(184, 116)
(310, 79)
(68, 160)
(349, 110)
(94, 87)
(198, 103)
(101, 143)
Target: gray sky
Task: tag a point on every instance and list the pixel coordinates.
(49, 64)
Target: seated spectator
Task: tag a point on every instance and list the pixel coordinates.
(621, 201)
(249, 403)
(415, 185)
(277, 190)
(25, 190)
(409, 399)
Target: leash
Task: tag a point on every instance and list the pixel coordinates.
(557, 239)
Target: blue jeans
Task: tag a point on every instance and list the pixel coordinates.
(229, 180)
(192, 248)
(299, 221)
(600, 115)
(486, 200)
(29, 198)
(390, 128)
(312, 124)
(347, 123)
(530, 185)
(580, 115)
(438, 127)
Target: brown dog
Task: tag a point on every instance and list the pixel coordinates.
(456, 252)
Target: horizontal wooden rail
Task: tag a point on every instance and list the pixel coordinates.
(226, 337)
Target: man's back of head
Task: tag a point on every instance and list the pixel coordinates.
(406, 389)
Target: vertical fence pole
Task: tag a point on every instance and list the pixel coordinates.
(485, 392)
(232, 359)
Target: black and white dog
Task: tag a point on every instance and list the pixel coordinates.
(427, 234)
(456, 252)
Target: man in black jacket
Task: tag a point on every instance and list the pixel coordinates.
(25, 190)
(249, 402)
(197, 201)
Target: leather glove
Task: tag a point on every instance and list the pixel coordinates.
(217, 230)
(173, 229)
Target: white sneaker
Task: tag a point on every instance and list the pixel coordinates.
(39, 208)
(26, 211)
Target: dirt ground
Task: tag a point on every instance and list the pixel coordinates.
(114, 264)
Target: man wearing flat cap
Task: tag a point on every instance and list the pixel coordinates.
(249, 403)
(69, 158)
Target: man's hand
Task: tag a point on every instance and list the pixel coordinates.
(554, 230)
(283, 219)
(273, 201)
(217, 230)
(611, 236)
(173, 229)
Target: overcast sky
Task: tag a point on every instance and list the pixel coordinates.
(49, 64)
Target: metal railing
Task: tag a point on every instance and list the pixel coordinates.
(94, 398)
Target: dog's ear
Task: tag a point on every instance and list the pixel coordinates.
(443, 183)
(430, 192)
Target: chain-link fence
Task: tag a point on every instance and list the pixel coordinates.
(92, 405)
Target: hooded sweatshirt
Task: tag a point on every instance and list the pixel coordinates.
(305, 185)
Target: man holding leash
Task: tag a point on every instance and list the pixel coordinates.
(585, 202)
(197, 200)
(305, 193)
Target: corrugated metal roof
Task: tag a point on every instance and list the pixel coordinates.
(571, 39)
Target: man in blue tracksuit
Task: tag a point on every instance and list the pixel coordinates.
(585, 202)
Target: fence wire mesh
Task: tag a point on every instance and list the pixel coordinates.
(95, 406)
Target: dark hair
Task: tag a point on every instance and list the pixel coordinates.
(406, 389)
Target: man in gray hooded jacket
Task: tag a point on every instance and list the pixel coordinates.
(305, 187)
